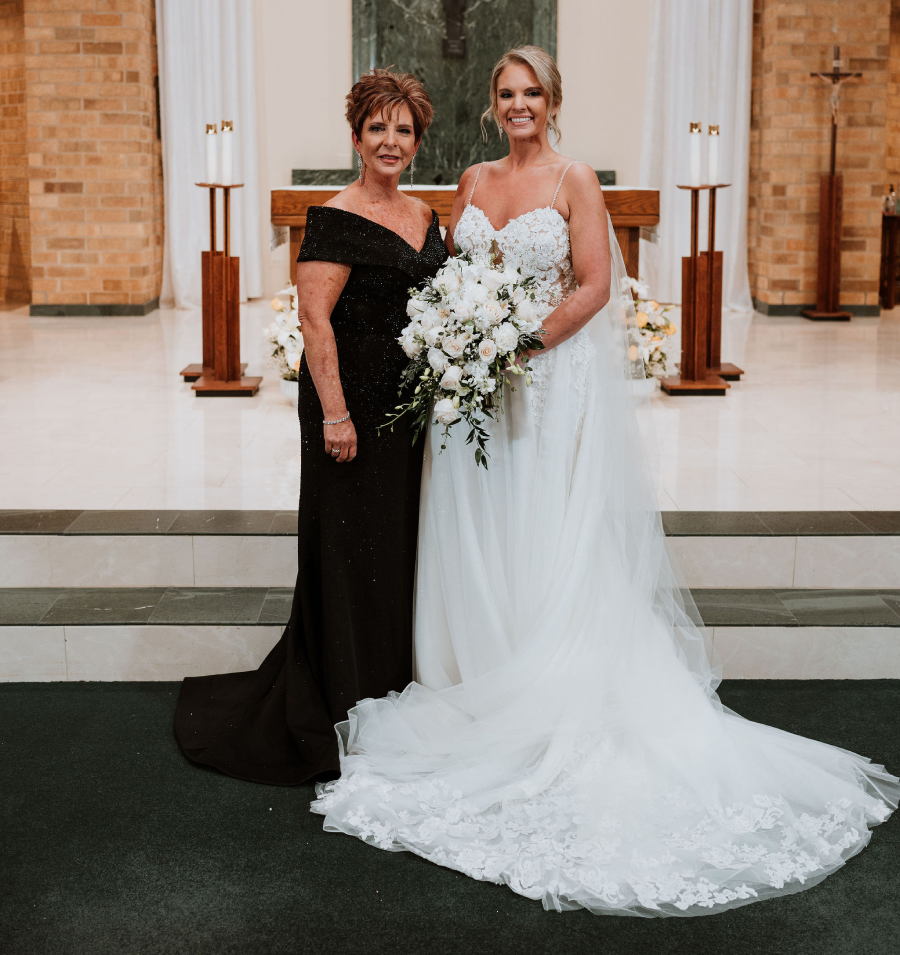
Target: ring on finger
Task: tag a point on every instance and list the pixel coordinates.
(335, 450)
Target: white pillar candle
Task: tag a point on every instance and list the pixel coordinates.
(227, 152)
(713, 161)
(212, 158)
(695, 153)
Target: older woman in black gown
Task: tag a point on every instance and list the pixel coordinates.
(350, 633)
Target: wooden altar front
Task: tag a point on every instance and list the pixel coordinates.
(629, 208)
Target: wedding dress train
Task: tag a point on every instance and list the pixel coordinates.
(564, 736)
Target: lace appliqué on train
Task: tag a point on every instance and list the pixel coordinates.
(703, 856)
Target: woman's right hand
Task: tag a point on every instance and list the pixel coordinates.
(342, 438)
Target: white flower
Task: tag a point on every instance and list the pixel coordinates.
(506, 336)
(414, 307)
(412, 346)
(429, 319)
(454, 347)
(293, 358)
(282, 336)
(486, 385)
(525, 311)
(463, 310)
(452, 378)
(432, 335)
(491, 279)
(519, 295)
(476, 294)
(450, 280)
(438, 360)
(444, 411)
(496, 311)
(487, 350)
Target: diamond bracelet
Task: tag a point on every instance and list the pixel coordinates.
(339, 420)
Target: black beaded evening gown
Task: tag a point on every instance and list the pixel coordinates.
(350, 632)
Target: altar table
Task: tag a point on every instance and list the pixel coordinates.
(629, 208)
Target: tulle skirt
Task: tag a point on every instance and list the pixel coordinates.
(564, 736)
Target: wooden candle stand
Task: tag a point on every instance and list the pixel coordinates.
(221, 373)
(701, 370)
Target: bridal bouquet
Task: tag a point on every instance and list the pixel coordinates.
(471, 325)
(654, 327)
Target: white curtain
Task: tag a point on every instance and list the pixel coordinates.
(206, 74)
(699, 71)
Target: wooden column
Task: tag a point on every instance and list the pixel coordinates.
(828, 283)
(714, 363)
(698, 297)
(221, 372)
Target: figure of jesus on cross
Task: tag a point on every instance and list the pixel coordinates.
(837, 80)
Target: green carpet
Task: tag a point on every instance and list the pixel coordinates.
(110, 842)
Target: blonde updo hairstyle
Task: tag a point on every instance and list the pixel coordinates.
(547, 73)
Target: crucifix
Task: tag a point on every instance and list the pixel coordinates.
(831, 200)
(454, 45)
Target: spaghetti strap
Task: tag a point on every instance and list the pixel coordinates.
(558, 185)
(474, 184)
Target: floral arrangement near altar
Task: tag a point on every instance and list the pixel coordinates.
(654, 327)
(471, 325)
(284, 334)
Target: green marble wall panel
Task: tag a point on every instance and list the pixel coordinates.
(408, 34)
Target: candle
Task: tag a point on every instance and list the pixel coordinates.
(696, 129)
(712, 168)
(212, 170)
(227, 152)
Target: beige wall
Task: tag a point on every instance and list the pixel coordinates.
(303, 61)
(602, 53)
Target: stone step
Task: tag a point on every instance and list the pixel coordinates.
(741, 549)
(140, 633)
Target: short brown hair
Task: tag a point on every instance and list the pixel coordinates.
(380, 91)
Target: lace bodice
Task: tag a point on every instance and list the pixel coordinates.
(537, 242)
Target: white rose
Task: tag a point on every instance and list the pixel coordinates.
(463, 310)
(444, 411)
(491, 279)
(477, 294)
(454, 347)
(496, 311)
(412, 346)
(432, 335)
(506, 336)
(526, 311)
(438, 360)
(452, 378)
(429, 319)
(414, 307)
(487, 350)
(451, 281)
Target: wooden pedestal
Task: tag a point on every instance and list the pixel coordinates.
(890, 250)
(701, 313)
(221, 373)
(828, 283)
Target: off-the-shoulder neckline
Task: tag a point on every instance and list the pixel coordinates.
(434, 218)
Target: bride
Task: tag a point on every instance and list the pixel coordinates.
(564, 735)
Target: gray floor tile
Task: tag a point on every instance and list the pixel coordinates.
(36, 522)
(223, 522)
(224, 605)
(713, 524)
(839, 608)
(107, 605)
(277, 606)
(123, 522)
(817, 523)
(284, 523)
(880, 522)
(742, 608)
(25, 606)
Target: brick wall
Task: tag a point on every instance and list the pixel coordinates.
(15, 242)
(94, 155)
(892, 131)
(790, 144)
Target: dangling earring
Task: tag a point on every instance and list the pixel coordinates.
(412, 168)
(359, 166)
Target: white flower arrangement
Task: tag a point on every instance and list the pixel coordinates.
(284, 334)
(654, 327)
(472, 325)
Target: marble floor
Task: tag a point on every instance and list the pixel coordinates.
(94, 415)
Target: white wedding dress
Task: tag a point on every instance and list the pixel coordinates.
(564, 736)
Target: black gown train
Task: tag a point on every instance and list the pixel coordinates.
(350, 632)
